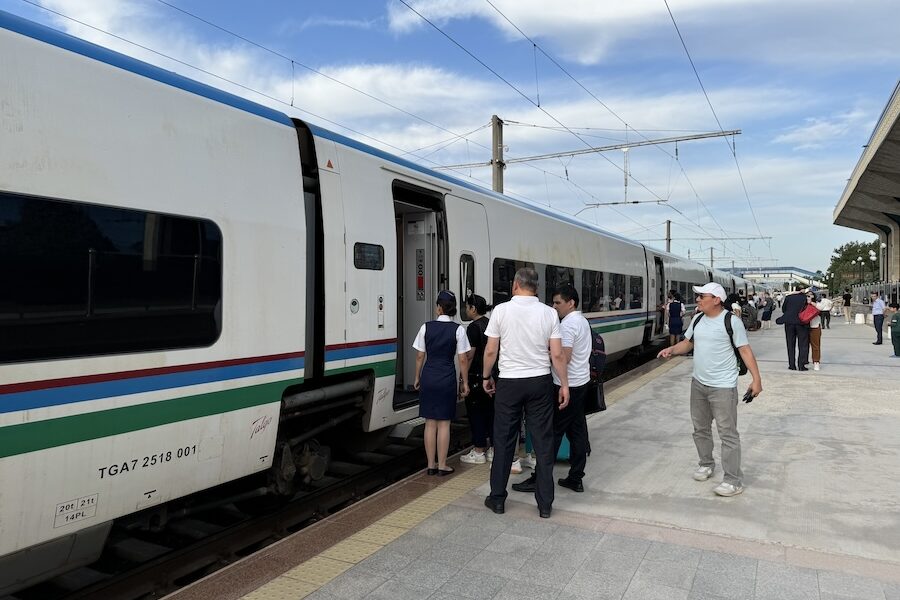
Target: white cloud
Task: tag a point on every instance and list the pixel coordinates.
(592, 32)
(819, 132)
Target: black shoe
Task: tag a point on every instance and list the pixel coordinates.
(495, 505)
(545, 512)
(803, 369)
(529, 485)
(432, 471)
(792, 368)
(572, 484)
(447, 471)
(876, 343)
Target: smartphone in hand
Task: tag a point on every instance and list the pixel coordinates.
(748, 397)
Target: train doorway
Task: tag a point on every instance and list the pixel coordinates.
(660, 294)
(421, 272)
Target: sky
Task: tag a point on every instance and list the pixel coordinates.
(804, 80)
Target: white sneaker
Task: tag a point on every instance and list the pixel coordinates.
(727, 489)
(473, 458)
(490, 454)
(815, 366)
(516, 468)
(529, 461)
(703, 473)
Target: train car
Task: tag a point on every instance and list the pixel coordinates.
(198, 286)
(149, 323)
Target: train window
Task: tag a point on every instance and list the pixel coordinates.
(368, 256)
(617, 292)
(555, 277)
(592, 298)
(82, 280)
(466, 281)
(636, 292)
(504, 273)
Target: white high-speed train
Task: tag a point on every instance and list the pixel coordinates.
(196, 285)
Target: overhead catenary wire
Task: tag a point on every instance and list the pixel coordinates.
(614, 114)
(733, 146)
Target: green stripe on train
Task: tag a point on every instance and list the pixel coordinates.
(49, 433)
(30, 437)
(617, 326)
(384, 368)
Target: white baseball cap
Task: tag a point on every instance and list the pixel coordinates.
(711, 288)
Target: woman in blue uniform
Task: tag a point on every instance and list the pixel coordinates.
(437, 343)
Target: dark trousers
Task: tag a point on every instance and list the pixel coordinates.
(480, 410)
(571, 422)
(797, 337)
(879, 325)
(535, 396)
(826, 318)
(895, 339)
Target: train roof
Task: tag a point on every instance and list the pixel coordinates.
(105, 55)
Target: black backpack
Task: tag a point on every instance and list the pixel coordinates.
(742, 368)
(597, 359)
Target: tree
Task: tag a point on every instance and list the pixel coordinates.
(845, 268)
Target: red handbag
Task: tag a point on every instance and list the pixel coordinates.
(809, 313)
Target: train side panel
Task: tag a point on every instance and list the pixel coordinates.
(90, 438)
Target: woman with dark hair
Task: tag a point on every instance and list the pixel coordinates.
(479, 404)
(815, 333)
(437, 343)
(676, 314)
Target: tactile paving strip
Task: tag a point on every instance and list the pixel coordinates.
(309, 576)
(282, 588)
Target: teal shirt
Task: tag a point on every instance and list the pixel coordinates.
(714, 362)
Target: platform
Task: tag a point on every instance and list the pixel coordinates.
(819, 517)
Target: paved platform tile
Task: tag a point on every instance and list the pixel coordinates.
(351, 550)
(318, 570)
(282, 588)
(379, 534)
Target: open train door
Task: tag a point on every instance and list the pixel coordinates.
(419, 220)
(659, 293)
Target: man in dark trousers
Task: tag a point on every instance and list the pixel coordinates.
(570, 421)
(521, 331)
(796, 333)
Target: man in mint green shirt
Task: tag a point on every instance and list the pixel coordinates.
(714, 393)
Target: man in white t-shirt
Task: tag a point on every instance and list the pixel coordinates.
(714, 393)
(521, 331)
(570, 421)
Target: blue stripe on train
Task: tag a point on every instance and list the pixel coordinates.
(123, 387)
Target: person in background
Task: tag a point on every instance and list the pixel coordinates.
(714, 394)
(848, 298)
(521, 331)
(877, 316)
(815, 333)
(894, 310)
(768, 309)
(796, 333)
(437, 343)
(676, 318)
(825, 305)
(479, 404)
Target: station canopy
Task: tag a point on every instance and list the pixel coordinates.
(871, 200)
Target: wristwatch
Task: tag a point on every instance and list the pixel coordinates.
(485, 378)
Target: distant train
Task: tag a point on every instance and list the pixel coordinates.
(197, 286)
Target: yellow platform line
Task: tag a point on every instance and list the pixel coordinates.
(309, 576)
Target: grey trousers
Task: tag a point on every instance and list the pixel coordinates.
(707, 404)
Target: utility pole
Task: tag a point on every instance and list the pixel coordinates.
(668, 236)
(710, 257)
(497, 164)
